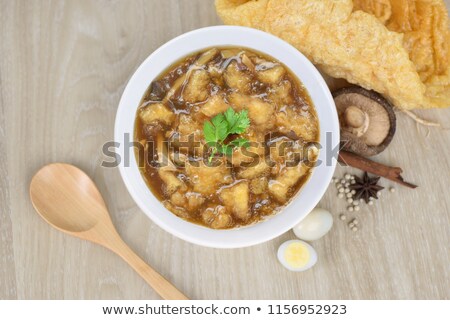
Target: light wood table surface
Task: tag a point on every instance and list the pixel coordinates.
(63, 67)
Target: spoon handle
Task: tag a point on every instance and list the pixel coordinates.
(163, 287)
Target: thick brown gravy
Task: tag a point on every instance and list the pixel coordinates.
(239, 188)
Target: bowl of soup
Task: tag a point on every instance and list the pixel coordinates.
(227, 136)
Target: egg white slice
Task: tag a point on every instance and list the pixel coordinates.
(297, 255)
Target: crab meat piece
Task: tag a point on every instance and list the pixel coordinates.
(236, 200)
(196, 89)
(237, 79)
(157, 112)
(288, 177)
(215, 105)
(260, 112)
(207, 179)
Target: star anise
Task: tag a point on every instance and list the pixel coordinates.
(366, 187)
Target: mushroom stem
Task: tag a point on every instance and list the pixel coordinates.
(247, 62)
(357, 120)
(183, 79)
(161, 149)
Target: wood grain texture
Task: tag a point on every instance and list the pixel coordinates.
(63, 67)
(68, 200)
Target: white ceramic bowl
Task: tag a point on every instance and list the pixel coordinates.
(194, 41)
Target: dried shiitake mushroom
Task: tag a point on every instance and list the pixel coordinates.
(367, 120)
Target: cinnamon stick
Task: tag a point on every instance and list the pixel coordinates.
(391, 173)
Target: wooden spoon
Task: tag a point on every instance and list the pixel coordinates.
(69, 201)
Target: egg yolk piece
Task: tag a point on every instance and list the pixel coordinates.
(297, 255)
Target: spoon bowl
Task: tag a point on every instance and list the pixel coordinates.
(68, 200)
(55, 192)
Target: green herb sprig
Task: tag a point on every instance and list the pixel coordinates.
(221, 126)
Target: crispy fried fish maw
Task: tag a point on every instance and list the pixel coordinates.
(425, 26)
(354, 46)
(379, 8)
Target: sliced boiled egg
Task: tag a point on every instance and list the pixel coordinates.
(297, 255)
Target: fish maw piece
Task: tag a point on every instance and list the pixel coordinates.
(216, 74)
(240, 157)
(280, 94)
(217, 217)
(195, 200)
(425, 25)
(272, 75)
(381, 9)
(187, 125)
(375, 59)
(355, 46)
(190, 201)
(302, 123)
(178, 199)
(288, 177)
(197, 88)
(156, 112)
(207, 179)
(172, 183)
(215, 105)
(259, 185)
(178, 211)
(253, 152)
(251, 13)
(259, 112)
(438, 90)
(262, 168)
(283, 150)
(236, 200)
(237, 79)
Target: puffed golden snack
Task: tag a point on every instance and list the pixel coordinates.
(359, 46)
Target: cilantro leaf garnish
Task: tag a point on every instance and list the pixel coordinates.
(237, 122)
(216, 130)
(240, 142)
(221, 126)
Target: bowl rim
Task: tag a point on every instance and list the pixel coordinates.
(217, 36)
